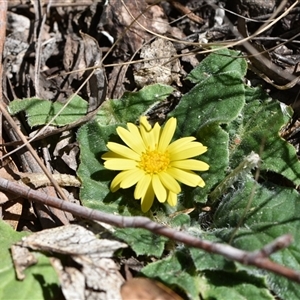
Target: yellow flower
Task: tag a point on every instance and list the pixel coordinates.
(153, 163)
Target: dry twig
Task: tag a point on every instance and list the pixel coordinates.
(257, 258)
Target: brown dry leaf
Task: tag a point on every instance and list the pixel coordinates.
(120, 15)
(22, 259)
(39, 179)
(96, 86)
(146, 289)
(89, 272)
(161, 68)
(11, 210)
(10, 205)
(67, 150)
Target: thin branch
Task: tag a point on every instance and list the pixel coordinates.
(3, 17)
(256, 258)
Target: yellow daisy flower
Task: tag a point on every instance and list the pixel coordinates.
(153, 163)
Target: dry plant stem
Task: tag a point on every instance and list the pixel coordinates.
(38, 29)
(3, 12)
(256, 258)
(276, 245)
(56, 3)
(181, 8)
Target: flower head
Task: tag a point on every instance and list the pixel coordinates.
(153, 163)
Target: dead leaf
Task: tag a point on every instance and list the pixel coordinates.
(118, 19)
(22, 259)
(87, 270)
(10, 205)
(146, 289)
(162, 66)
(39, 179)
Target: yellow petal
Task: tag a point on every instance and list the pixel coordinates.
(151, 138)
(120, 164)
(167, 134)
(159, 190)
(187, 177)
(190, 164)
(115, 184)
(132, 177)
(172, 199)
(156, 134)
(142, 187)
(147, 200)
(176, 145)
(189, 150)
(144, 122)
(123, 151)
(169, 182)
(135, 131)
(201, 183)
(109, 155)
(131, 139)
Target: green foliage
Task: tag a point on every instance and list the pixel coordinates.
(232, 120)
(238, 285)
(257, 129)
(217, 98)
(41, 281)
(132, 104)
(142, 241)
(126, 109)
(272, 212)
(176, 269)
(40, 112)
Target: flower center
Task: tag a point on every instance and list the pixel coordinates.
(154, 162)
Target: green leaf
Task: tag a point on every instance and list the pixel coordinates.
(132, 104)
(216, 100)
(142, 241)
(272, 211)
(208, 261)
(218, 62)
(41, 281)
(257, 129)
(126, 109)
(216, 140)
(40, 112)
(177, 269)
(238, 286)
